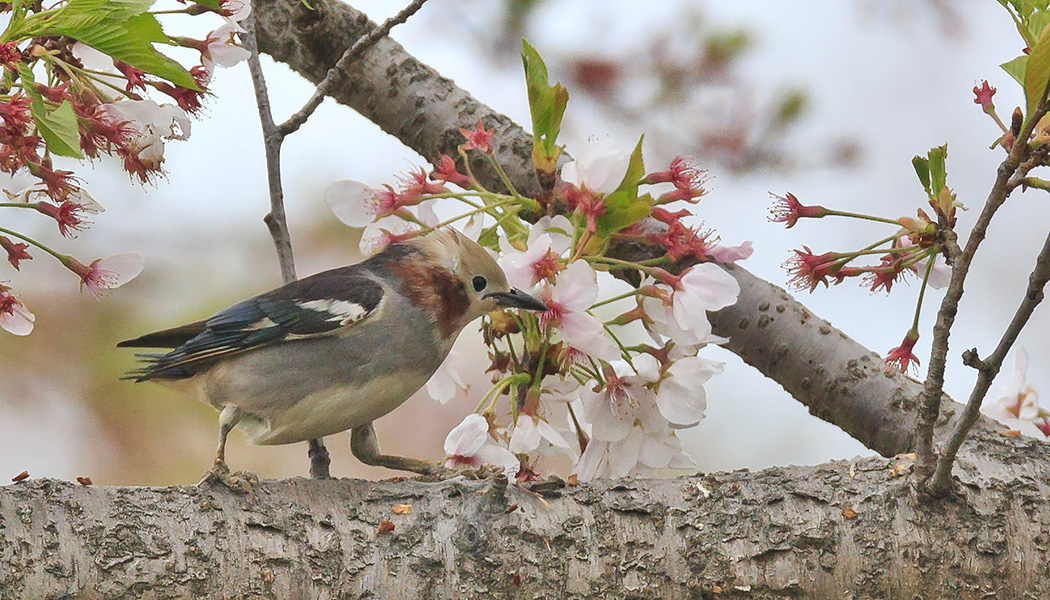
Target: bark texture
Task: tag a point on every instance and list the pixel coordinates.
(844, 529)
(839, 530)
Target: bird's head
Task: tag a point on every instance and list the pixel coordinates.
(463, 280)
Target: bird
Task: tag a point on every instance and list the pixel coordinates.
(334, 351)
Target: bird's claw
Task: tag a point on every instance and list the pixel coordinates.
(241, 482)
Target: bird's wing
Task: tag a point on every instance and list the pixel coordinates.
(323, 304)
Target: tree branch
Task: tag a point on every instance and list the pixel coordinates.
(840, 530)
(929, 408)
(352, 53)
(987, 369)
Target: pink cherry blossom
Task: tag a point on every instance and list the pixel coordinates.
(567, 301)
(15, 318)
(683, 316)
(105, 274)
(469, 444)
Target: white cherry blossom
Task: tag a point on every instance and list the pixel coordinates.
(469, 444)
(599, 166)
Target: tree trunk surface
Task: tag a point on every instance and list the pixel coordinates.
(845, 529)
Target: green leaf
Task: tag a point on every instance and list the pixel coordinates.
(922, 169)
(547, 104)
(121, 29)
(1015, 68)
(1037, 23)
(214, 4)
(938, 170)
(59, 130)
(1037, 73)
(624, 207)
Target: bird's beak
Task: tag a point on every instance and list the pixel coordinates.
(516, 298)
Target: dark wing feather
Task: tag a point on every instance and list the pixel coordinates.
(318, 305)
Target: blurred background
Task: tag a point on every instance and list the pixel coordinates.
(828, 100)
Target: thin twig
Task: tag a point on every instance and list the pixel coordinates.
(334, 74)
(276, 220)
(930, 405)
(989, 368)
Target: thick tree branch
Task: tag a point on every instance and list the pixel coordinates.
(840, 530)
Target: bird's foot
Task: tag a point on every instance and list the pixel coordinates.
(242, 482)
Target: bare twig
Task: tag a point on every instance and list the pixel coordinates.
(276, 220)
(929, 407)
(988, 368)
(352, 53)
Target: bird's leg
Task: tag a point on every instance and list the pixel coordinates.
(319, 460)
(240, 481)
(365, 446)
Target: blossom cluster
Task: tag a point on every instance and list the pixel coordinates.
(602, 378)
(79, 99)
(914, 248)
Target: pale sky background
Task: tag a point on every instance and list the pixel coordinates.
(884, 73)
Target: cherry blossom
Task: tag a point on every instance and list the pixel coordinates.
(568, 300)
(902, 356)
(599, 166)
(1018, 398)
(479, 138)
(629, 436)
(221, 49)
(357, 204)
(624, 400)
(379, 234)
(447, 382)
(547, 244)
(106, 273)
(682, 317)
(470, 445)
(15, 318)
(149, 124)
(681, 397)
(16, 251)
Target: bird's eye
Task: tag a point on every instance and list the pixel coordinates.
(479, 283)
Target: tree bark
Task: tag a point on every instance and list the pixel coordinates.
(844, 529)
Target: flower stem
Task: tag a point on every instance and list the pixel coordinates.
(62, 258)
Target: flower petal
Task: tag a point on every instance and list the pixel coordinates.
(466, 438)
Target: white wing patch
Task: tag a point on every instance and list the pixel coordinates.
(343, 311)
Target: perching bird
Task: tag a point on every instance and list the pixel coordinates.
(336, 350)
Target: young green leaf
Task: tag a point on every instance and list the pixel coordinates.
(59, 129)
(938, 170)
(1037, 73)
(1015, 68)
(547, 104)
(922, 169)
